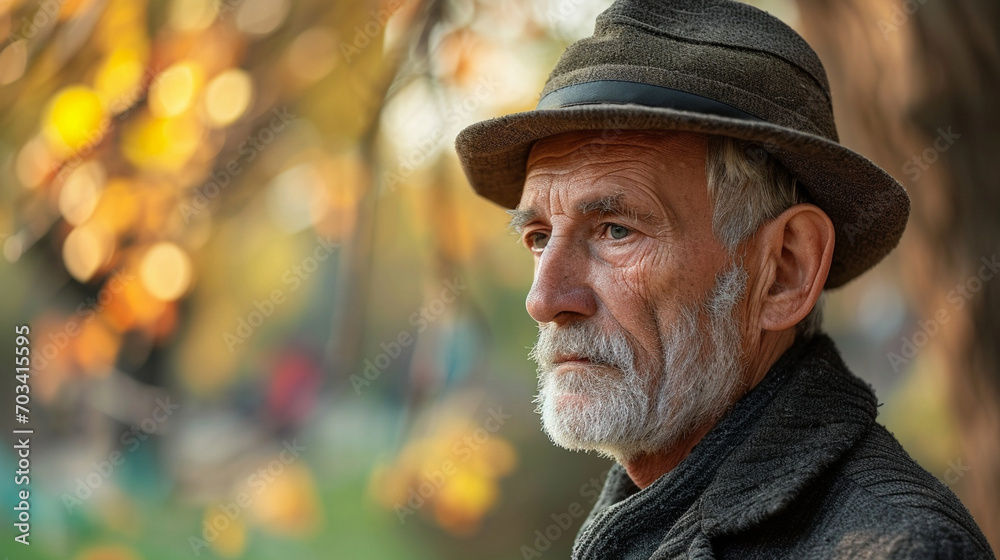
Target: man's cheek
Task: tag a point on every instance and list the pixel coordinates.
(648, 280)
(622, 292)
(658, 262)
(636, 288)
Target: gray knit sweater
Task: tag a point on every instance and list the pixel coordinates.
(799, 469)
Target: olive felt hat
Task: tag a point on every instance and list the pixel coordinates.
(710, 66)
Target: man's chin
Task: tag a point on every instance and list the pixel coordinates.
(569, 436)
(567, 406)
(568, 420)
(572, 436)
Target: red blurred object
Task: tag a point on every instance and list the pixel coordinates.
(294, 383)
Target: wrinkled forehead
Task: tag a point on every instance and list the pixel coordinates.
(656, 148)
(668, 166)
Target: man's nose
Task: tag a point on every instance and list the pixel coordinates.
(561, 292)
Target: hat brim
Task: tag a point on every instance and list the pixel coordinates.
(867, 206)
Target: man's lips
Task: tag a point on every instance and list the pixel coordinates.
(572, 359)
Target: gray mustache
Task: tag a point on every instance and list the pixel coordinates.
(584, 340)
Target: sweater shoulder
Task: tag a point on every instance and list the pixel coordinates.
(875, 503)
(910, 513)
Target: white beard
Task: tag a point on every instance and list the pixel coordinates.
(623, 409)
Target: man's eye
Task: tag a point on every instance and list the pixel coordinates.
(537, 240)
(618, 232)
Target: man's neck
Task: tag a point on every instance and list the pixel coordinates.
(646, 468)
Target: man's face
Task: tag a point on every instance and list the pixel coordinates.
(637, 301)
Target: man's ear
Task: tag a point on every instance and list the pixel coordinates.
(796, 249)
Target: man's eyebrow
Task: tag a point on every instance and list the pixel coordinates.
(615, 205)
(609, 204)
(520, 218)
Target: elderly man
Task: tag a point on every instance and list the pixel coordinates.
(686, 200)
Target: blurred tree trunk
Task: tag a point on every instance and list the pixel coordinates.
(346, 346)
(905, 73)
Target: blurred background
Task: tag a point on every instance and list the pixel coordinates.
(270, 319)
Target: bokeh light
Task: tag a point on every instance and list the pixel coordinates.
(35, 162)
(75, 119)
(260, 17)
(96, 347)
(297, 198)
(80, 192)
(85, 250)
(229, 533)
(192, 15)
(289, 505)
(119, 79)
(161, 143)
(117, 208)
(174, 89)
(228, 96)
(13, 61)
(165, 271)
(313, 54)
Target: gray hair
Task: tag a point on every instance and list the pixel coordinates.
(747, 187)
